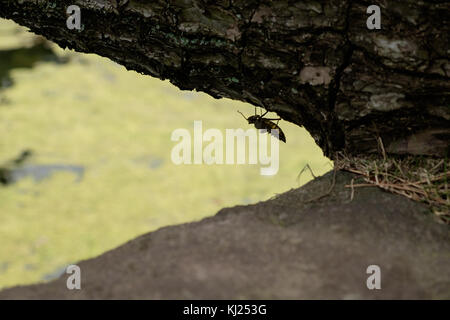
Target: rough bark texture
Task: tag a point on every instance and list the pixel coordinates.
(315, 63)
(284, 248)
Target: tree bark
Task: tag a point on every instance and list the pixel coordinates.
(315, 63)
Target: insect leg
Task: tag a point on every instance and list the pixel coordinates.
(242, 115)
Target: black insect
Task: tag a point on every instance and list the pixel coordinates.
(265, 123)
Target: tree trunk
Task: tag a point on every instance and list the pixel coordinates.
(315, 63)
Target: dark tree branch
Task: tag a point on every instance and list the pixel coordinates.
(315, 63)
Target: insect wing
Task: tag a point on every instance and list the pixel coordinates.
(270, 126)
(278, 134)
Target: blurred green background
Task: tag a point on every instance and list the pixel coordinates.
(100, 171)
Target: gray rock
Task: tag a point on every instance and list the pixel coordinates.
(283, 248)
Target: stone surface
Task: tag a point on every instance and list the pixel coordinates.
(285, 248)
(314, 63)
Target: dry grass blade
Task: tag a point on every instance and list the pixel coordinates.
(420, 179)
